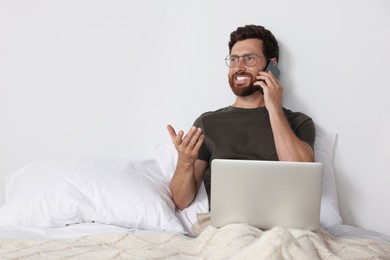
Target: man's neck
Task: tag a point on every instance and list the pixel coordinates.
(255, 100)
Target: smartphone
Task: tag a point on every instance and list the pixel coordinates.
(274, 69)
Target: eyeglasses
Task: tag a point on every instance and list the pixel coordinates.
(249, 59)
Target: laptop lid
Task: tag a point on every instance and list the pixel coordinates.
(265, 194)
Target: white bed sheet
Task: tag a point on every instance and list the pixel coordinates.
(347, 231)
(76, 230)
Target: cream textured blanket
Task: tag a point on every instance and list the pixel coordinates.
(236, 241)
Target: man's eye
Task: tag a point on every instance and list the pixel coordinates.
(250, 58)
(233, 59)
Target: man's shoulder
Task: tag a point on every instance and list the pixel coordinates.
(218, 111)
(297, 119)
(294, 114)
(208, 114)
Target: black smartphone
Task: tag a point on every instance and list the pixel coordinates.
(274, 69)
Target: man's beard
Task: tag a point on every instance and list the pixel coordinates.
(242, 91)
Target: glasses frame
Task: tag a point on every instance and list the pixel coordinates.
(227, 59)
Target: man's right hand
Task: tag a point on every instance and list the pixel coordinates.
(188, 146)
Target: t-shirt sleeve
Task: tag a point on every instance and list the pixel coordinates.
(204, 154)
(303, 126)
(306, 132)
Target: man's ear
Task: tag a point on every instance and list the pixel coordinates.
(274, 61)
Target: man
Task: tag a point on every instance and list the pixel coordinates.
(255, 127)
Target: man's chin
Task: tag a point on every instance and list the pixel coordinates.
(244, 91)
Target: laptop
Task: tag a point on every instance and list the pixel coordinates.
(265, 194)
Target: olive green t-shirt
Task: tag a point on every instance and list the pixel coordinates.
(239, 133)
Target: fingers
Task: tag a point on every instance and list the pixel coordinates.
(268, 81)
(268, 78)
(188, 146)
(193, 138)
(171, 131)
(199, 143)
(176, 138)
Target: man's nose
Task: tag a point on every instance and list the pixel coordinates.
(241, 64)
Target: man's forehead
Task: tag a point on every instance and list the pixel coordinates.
(248, 46)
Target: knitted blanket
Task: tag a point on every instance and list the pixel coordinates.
(236, 241)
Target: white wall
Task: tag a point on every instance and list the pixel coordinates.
(93, 78)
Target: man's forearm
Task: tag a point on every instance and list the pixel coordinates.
(183, 186)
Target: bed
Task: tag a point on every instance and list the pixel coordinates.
(121, 209)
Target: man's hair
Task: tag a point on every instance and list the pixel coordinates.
(270, 44)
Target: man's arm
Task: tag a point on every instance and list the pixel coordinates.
(288, 146)
(189, 170)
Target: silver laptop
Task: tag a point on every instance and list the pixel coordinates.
(265, 194)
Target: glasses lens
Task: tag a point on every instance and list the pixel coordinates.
(250, 60)
(231, 61)
(227, 61)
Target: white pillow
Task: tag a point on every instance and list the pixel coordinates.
(323, 150)
(166, 157)
(131, 194)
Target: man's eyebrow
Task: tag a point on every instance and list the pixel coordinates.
(245, 54)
